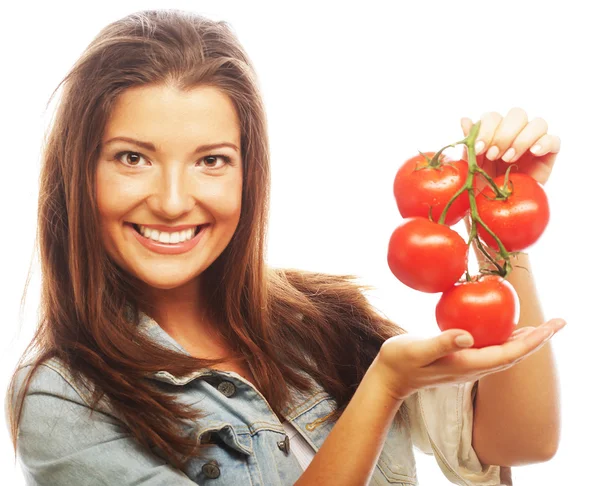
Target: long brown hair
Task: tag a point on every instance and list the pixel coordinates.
(280, 321)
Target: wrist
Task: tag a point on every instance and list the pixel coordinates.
(387, 383)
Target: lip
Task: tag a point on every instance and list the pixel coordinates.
(167, 248)
(168, 229)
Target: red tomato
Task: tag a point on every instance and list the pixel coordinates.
(488, 308)
(416, 191)
(427, 256)
(518, 221)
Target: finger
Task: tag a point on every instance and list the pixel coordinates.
(466, 124)
(519, 333)
(527, 138)
(508, 129)
(429, 350)
(484, 360)
(489, 122)
(546, 144)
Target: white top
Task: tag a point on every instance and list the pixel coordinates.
(441, 424)
(298, 445)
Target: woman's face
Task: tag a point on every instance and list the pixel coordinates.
(169, 204)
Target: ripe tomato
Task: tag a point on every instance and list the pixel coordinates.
(416, 191)
(518, 221)
(427, 256)
(487, 307)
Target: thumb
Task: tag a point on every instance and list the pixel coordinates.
(466, 124)
(446, 343)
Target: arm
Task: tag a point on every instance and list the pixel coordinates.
(517, 417)
(404, 365)
(517, 413)
(348, 438)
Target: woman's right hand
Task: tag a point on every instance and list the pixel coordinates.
(406, 363)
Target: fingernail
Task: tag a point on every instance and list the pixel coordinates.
(509, 154)
(560, 324)
(479, 146)
(492, 153)
(535, 149)
(464, 341)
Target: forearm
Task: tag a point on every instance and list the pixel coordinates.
(517, 416)
(349, 454)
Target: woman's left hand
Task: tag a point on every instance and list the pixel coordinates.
(514, 140)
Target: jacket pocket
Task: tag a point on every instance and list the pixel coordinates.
(397, 461)
(397, 468)
(226, 460)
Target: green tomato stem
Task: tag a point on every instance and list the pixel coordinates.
(469, 141)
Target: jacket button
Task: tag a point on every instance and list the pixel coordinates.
(211, 469)
(226, 388)
(284, 445)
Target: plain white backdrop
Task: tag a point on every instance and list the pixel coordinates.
(351, 91)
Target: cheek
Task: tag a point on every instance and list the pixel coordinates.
(114, 194)
(224, 199)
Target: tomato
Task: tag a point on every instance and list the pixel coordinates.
(519, 220)
(487, 307)
(416, 191)
(427, 256)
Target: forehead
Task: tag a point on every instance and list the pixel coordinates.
(166, 114)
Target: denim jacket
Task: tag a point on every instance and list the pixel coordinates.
(59, 443)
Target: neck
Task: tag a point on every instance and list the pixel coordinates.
(182, 313)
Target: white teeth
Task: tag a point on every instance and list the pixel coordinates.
(164, 237)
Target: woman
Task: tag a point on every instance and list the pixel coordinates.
(169, 353)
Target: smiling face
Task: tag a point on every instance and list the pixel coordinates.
(169, 208)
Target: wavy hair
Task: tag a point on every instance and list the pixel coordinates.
(83, 319)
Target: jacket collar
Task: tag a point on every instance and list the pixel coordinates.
(152, 330)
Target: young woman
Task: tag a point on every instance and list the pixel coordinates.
(169, 353)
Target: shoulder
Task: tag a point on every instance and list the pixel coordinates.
(62, 440)
(51, 383)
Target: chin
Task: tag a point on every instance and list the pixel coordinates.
(166, 280)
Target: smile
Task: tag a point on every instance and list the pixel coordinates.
(166, 237)
(169, 243)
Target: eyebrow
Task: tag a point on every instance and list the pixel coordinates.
(152, 148)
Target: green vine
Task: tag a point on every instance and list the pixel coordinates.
(500, 192)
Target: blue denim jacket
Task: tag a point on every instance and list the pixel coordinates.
(60, 444)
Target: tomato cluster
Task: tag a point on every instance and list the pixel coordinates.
(434, 192)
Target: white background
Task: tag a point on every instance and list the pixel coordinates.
(351, 91)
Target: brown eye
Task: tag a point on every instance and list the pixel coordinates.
(132, 159)
(135, 160)
(211, 161)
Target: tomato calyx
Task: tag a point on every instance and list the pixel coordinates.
(502, 193)
(436, 162)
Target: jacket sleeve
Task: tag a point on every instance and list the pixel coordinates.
(59, 443)
(441, 421)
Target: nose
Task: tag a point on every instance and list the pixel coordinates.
(172, 194)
